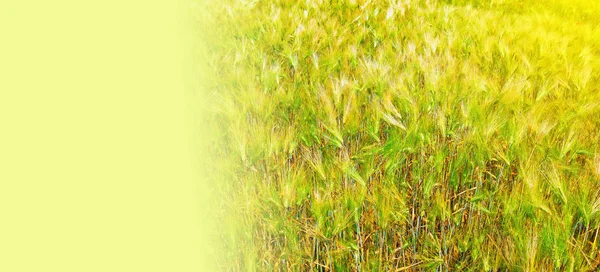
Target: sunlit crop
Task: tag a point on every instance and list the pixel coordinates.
(365, 135)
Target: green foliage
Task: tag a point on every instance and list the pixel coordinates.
(407, 135)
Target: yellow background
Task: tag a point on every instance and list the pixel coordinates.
(97, 157)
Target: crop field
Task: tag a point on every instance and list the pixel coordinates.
(404, 135)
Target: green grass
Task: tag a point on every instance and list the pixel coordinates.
(406, 135)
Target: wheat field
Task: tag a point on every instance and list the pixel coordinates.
(404, 135)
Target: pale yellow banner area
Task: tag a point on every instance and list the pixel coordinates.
(97, 158)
